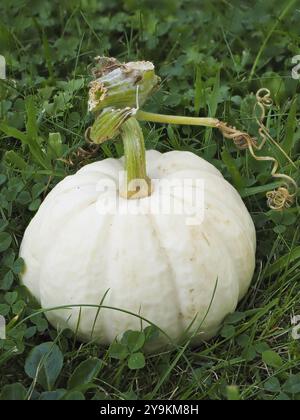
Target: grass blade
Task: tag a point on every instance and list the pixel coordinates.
(291, 126)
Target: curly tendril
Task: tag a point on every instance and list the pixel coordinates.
(240, 138)
(284, 196)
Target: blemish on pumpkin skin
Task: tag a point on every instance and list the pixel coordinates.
(192, 311)
(206, 239)
(161, 169)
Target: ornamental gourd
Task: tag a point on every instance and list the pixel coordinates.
(139, 265)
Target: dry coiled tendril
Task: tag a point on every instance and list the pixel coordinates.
(284, 196)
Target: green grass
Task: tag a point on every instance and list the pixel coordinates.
(211, 58)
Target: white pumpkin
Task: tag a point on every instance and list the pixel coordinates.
(157, 266)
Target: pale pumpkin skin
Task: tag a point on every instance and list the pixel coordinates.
(157, 266)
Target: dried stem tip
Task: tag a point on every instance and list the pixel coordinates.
(121, 84)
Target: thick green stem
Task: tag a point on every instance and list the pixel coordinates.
(175, 119)
(138, 185)
(240, 138)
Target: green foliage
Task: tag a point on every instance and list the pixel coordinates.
(211, 60)
(13, 392)
(130, 348)
(84, 374)
(44, 364)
